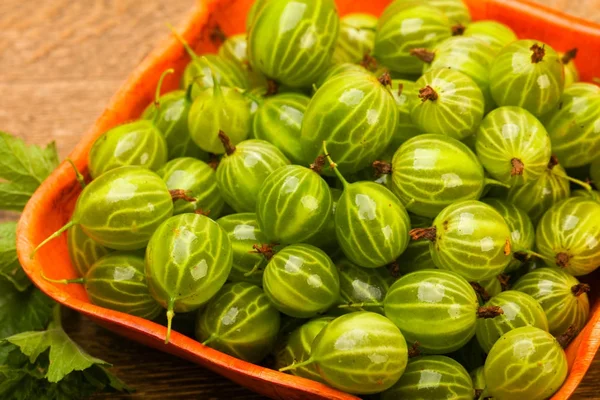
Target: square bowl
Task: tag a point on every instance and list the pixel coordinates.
(52, 204)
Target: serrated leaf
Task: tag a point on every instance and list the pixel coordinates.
(29, 310)
(23, 168)
(9, 262)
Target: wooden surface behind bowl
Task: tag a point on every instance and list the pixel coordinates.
(55, 105)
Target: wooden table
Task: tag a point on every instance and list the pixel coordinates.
(60, 62)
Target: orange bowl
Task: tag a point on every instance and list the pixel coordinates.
(52, 204)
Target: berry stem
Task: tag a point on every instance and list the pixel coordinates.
(53, 236)
(296, 365)
(489, 311)
(78, 174)
(157, 92)
(334, 166)
(63, 281)
(251, 96)
(210, 339)
(170, 316)
(569, 55)
(423, 54)
(229, 147)
(423, 233)
(580, 289)
(583, 184)
(184, 43)
(255, 268)
(528, 254)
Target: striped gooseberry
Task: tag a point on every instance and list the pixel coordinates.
(254, 9)
(403, 27)
(405, 128)
(235, 48)
(195, 182)
(417, 255)
(117, 282)
(361, 352)
(325, 237)
(432, 378)
(203, 71)
(522, 231)
(280, 54)
(219, 109)
(589, 194)
(355, 113)
(240, 321)
(568, 235)
(513, 145)
(337, 69)
(430, 172)
(571, 71)
(120, 209)
(537, 196)
(293, 204)
(297, 348)
(436, 308)
(456, 11)
(362, 285)
(301, 281)
(243, 169)
(83, 251)
(188, 260)
(371, 224)
(355, 39)
(525, 363)
(138, 143)
(574, 125)
(447, 102)
(494, 33)
(278, 120)
(563, 298)
(469, 55)
(527, 74)
(469, 238)
(171, 120)
(244, 233)
(517, 309)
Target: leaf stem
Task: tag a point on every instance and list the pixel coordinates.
(170, 316)
(333, 166)
(53, 236)
(297, 365)
(583, 184)
(63, 281)
(78, 174)
(157, 92)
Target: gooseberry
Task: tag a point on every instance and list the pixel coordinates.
(356, 38)
(362, 285)
(83, 251)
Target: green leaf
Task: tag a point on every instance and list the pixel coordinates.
(9, 263)
(23, 168)
(29, 310)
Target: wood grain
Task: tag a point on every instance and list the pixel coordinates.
(60, 62)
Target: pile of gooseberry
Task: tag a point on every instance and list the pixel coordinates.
(364, 202)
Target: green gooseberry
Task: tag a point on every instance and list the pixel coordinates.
(417, 255)
(517, 309)
(301, 281)
(293, 204)
(360, 352)
(436, 308)
(525, 363)
(219, 109)
(325, 237)
(469, 55)
(188, 260)
(278, 120)
(403, 27)
(297, 348)
(126, 205)
(244, 168)
(202, 72)
(430, 172)
(527, 74)
(355, 113)
(117, 282)
(254, 10)
(571, 71)
(244, 233)
(137, 143)
(494, 33)
(432, 378)
(568, 236)
(478, 378)
(171, 119)
(240, 321)
(522, 231)
(405, 128)
(355, 39)
(194, 184)
(362, 285)
(337, 69)
(447, 102)
(537, 196)
(83, 251)
(513, 145)
(563, 298)
(469, 238)
(590, 194)
(574, 125)
(235, 48)
(371, 224)
(455, 10)
(300, 46)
